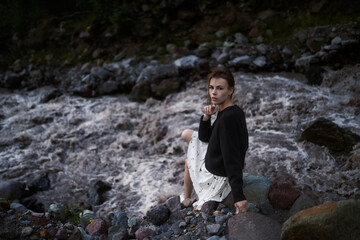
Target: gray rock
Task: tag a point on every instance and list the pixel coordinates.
(100, 73)
(56, 211)
(253, 208)
(120, 218)
(256, 188)
(266, 208)
(12, 190)
(158, 215)
(222, 58)
(302, 202)
(173, 204)
(241, 61)
(213, 229)
(336, 41)
(118, 232)
(240, 39)
(143, 233)
(26, 231)
(303, 63)
(18, 207)
(248, 226)
(262, 48)
(221, 218)
(186, 63)
(260, 61)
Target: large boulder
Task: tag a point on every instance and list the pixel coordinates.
(256, 188)
(323, 132)
(12, 190)
(333, 220)
(249, 225)
(283, 192)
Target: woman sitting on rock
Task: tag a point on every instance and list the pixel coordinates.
(216, 153)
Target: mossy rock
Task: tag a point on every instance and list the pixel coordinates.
(323, 132)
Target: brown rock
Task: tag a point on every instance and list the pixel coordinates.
(96, 226)
(330, 221)
(283, 193)
(249, 225)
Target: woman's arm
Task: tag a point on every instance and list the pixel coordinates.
(233, 143)
(205, 123)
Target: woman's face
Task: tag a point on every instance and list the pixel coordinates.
(219, 91)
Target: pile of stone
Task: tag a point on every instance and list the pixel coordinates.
(277, 210)
(309, 52)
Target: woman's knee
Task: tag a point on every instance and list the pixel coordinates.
(187, 134)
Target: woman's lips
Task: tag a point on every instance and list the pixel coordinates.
(213, 99)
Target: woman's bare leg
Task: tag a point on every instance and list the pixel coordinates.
(188, 186)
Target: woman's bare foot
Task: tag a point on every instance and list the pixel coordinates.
(188, 202)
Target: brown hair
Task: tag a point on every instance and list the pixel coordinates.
(222, 72)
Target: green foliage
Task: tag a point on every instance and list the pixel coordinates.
(73, 213)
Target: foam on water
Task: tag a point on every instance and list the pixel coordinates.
(137, 148)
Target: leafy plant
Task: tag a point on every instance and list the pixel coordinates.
(73, 213)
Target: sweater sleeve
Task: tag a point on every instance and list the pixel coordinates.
(234, 143)
(204, 130)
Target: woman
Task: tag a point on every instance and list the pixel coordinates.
(216, 153)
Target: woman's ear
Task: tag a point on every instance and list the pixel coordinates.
(231, 91)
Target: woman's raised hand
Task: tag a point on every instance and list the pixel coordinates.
(208, 111)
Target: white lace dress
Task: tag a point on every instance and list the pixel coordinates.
(207, 186)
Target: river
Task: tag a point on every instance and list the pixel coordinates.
(136, 147)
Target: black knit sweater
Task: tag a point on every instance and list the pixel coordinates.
(228, 142)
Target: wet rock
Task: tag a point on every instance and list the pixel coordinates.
(108, 87)
(213, 229)
(120, 218)
(12, 80)
(118, 232)
(97, 226)
(100, 73)
(247, 226)
(283, 193)
(140, 92)
(209, 207)
(186, 64)
(314, 75)
(12, 189)
(61, 234)
(56, 211)
(158, 215)
(253, 208)
(143, 233)
(173, 204)
(40, 183)
(266, 208)
(242, 61)
(256, 188)
(26, 231)
(333, 220)
(303, 202)
(167, 86)
(240, 39)
(303, 63)
(323, 132)
(95, 194)
(260, 62)
(221, 218)
(18, 207)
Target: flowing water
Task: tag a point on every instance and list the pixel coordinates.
(137, 148)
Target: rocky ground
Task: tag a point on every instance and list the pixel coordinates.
(313, 51)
